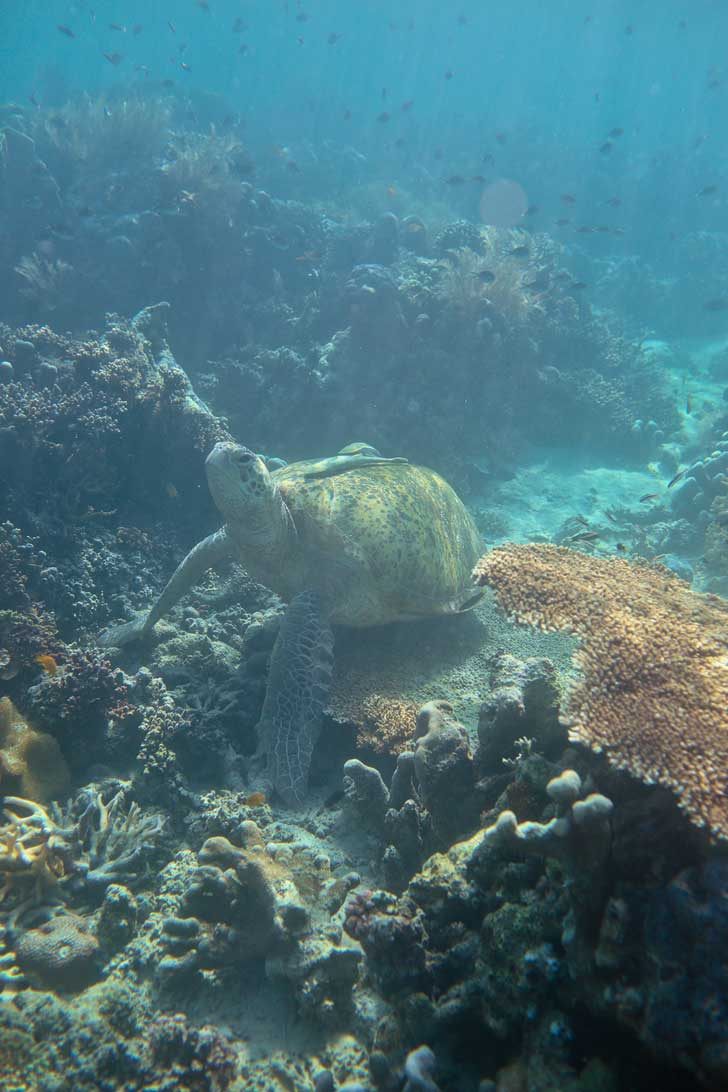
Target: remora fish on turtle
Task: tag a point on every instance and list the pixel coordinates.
(354, 540)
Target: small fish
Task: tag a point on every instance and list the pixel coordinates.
(454, 180)
(678, 477)
(720, 304)
(407, 105)
(647, 497)
(584, 536)
(585, 229)
(577, 286)
(580, 520)
(449, 74)
(203, 4)
(66, 30)
(531, 210)
(707, 191)
(47, 662)
(522, 251)
(333, 38)
(184, 66)
(171, 491)
(347, 115)
(302, 17)
(480, 178)
(137, 29)
(616, 133)
(615, 202)
(167, 83)
(562, 221)
(392, 191)
(114, 58)
(568, 198)
(502, 138)
(239, 26)
(689, 404)
(622, 548)
(486, 276)
(117, 26)
(171, 26)
(488, 159)
(383, 117)
(414, 227)
(606, 147)
(293, 167)
(611, 518)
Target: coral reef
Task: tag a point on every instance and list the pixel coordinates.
(653, 663)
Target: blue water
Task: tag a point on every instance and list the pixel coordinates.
(553, 79)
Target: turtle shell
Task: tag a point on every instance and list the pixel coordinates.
(383, 540)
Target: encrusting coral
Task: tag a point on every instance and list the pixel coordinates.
(31, 762)
(653, 661)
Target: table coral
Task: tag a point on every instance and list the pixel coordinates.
(654, 664)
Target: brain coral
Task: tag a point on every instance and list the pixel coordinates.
(61, 953)
(653, 662)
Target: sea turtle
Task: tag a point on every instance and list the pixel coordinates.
(355, 540)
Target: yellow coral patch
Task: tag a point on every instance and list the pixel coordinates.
(31, 763)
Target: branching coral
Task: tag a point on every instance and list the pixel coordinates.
(58, 855)
(35, 854)
(115, 838)
(654, 664)
(76, 703)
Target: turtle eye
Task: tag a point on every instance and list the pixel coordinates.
(243, 458)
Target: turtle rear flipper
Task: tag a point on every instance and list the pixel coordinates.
(124, 634)
(299, 683)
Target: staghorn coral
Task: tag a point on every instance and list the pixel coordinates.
(65, 854)
(35, 855)
(654, 664)
(114, 838)
(31, 762)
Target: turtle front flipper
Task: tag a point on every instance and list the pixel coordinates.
(299, 683)
(212, 550)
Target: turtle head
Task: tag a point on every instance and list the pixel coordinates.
(244, 492)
